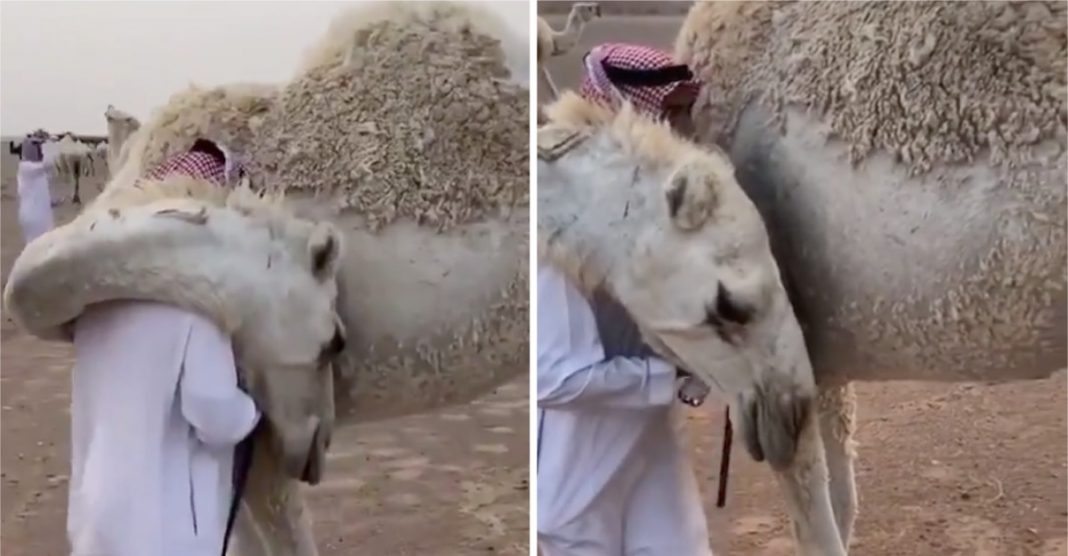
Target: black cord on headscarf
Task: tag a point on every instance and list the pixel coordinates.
(647, 77)
(210, 148)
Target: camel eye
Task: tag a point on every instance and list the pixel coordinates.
(731, 309)
(727, 315)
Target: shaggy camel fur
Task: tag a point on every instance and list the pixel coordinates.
(661, 224)
(909, 162)
(433, 290)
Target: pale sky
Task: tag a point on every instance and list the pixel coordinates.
(62, 63)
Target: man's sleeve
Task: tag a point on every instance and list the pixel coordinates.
(572, 371)
(211, 401)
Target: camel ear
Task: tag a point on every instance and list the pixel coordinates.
(691, 195)
(324, 248)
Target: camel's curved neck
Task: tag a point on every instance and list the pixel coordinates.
(592, 205)
(564, 41)
(119, 131)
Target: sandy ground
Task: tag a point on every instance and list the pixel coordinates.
(959, 469)
(450, 483)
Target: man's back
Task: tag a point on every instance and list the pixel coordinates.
(155, 412)
(128, 360)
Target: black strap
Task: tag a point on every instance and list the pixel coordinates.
(209, 148)
(725, 459)
(242, 465)
(647, 77)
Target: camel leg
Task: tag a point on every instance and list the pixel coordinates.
(837, 415)
(549, 85)
(77, 178)
(808, 498)
(779, 423)
(802, 479)
(274, 520)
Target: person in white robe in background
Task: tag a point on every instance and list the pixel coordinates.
(34, 190)
(613, 479)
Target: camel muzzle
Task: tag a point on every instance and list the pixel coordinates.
(303, 452)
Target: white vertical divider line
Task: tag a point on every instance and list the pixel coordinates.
(532, 481)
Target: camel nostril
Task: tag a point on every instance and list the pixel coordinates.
(337, 343)
(334, 347)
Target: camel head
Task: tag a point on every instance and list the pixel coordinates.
(662, 225)
(292, 336)
(114, 116)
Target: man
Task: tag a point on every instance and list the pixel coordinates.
(648, 78)
(612, 477)
(34, 191)
(156, 413)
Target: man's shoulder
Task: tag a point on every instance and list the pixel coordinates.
(157, 317)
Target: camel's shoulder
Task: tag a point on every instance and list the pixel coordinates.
(149, 191)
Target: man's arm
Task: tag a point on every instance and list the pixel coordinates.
(220, 412)
(572, 370)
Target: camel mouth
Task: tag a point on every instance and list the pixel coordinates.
(313, 468)
(302, 455)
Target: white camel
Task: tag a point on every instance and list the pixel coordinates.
(908, 160)
(552, 43)
(120, 126)
(71, 160)
(267, 278)
(100, 154)
(662, 225)
(433, 282)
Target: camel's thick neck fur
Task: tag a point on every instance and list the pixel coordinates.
(621, 154)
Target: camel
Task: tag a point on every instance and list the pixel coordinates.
(100, 152)
(909, 161)
(120, 126)
(71, 159)
(267, 278)
(553, 43)
(432, 284)
(622, 202)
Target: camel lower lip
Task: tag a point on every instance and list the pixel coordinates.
(310, 473)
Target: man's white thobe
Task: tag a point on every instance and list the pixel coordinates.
(612, 478)
(156, 412)
(35, 199)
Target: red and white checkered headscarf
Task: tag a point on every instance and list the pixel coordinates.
(596, 84)
(197, 163)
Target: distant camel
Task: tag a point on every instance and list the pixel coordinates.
(553, 43)
(72, 160)
(120, 126)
